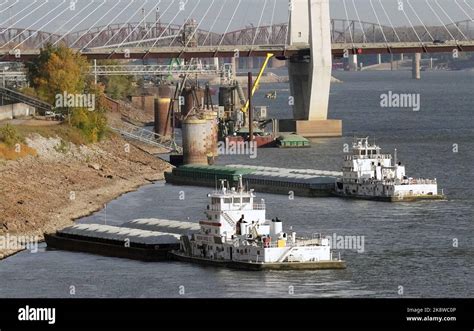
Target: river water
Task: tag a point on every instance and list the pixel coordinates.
(410, 249)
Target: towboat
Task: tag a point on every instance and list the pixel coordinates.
(368, 173)
(236, 234)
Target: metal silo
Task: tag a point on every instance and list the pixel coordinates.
(197, 139)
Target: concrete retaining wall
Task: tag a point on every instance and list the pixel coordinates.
(8, 112)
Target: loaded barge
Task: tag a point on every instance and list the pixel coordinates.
(302, 182)
(145, 239)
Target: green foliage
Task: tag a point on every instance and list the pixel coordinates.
(58, 69)
(10, 136)
(92, 124)
(117, 87)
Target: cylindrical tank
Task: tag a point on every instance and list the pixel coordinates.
(189, 99)
(211, 118)
(276, 227)
(196, 140)
(163, 123)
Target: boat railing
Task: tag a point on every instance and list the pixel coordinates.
(362, 157)
(259, 206)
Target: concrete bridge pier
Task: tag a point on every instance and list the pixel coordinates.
(416, 66)
(352, 63)
(310, 74)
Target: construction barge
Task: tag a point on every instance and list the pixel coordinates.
(302, 182)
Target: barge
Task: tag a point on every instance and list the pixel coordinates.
(237, 235)
(371, 175)
(114, 241)
(302, 182)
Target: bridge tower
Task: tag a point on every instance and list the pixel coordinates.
(310, 73)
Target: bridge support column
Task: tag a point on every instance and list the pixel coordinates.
(416, 66)
(310, 74)
(353, 63)
(379, 58)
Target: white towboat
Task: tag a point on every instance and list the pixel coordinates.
(236, 234)
(369, 174)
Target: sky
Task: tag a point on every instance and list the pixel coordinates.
(219, 15)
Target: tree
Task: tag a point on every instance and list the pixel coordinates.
(57, 70)
(117, 87)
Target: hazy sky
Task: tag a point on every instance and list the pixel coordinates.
(57, 16)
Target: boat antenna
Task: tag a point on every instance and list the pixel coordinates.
(395, 156)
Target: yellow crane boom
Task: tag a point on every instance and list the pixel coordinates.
(257, 80)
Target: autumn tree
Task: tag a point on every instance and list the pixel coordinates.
(57, 70)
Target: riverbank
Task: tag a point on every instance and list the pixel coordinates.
(65, 182)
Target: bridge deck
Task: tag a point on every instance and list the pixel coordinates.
(280, 51)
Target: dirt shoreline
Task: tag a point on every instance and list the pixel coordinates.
(45, 193)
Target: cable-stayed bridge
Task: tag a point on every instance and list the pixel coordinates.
(142, 29)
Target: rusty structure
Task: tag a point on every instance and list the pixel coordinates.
(163, 112)
(143, 35)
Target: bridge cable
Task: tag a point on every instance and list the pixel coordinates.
(271, 22)
(21, 19)
(185, 22)
(214, 23)
(44, 25)
(137, 26)
(378, 21)
(108, 25)
(411, 24)
(169, 24)
(287, 37)
(439, 18)
(38, 20)
(472, 8)
(364, 36)
(347, 18)
(155, 24)
(98, 20)
(421, 21)
(449, 17)
(77, 24)
(464, 11)
(1, 4)
(11, 17)
(57, 31)
(140, 7)
(200, 22)
(259, 24)
(9, 7)
(230, 22)
(389, 20)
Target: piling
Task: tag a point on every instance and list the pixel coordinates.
(163, 121)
